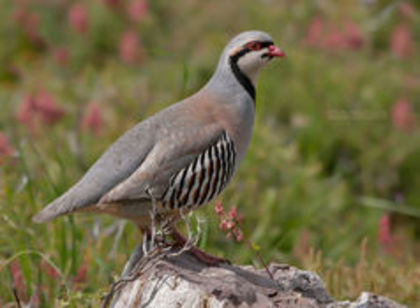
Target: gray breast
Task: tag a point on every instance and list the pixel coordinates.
(204, 178)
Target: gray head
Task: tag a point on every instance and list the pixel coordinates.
(244, 56)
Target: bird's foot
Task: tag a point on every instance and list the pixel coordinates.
(181, 242)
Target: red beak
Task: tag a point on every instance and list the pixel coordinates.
(274, 51)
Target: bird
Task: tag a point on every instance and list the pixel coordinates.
(183, 156)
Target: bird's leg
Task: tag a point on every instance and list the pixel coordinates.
(152, 213)
(181, 241)
(147, 234)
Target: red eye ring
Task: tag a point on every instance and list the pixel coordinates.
(254, 45)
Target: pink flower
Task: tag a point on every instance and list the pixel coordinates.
(137, 9)
(314, 31)
(6, 149)
(230, 224)
(329, 36)
(218, 208)
(129, 47)
(402, 115)
(354, 36)
(402, 41)
(48, 109)
(78, 19)
(42, 108)
(233, 212)
(223, 225)
(239, 236)
(61, 56)
(92, 120)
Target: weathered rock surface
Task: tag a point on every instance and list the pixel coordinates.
(183, 281)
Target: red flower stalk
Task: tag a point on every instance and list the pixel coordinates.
(29, 23)
(17, 277)
(40, 109)
(78, 18)
(354, 36)
(385, 239)
(402, 115)
(92, 120)
(402, 41)
(81, 273)
(48, 109)
(26, 111)
(49, 270)
(329, 36)
(137, 9)
(129, 47)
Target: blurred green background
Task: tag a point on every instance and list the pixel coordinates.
(331, 181)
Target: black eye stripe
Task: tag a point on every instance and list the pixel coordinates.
(245, 50)
(266, 44)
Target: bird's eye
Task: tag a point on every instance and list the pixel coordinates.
(254, 45)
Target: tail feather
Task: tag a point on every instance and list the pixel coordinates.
(71, 201)
(56, 208)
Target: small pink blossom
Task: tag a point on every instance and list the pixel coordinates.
(61, 56)
(402, 115)
(218, 208)
(129, 47)
(78, 19)
(137, 9)
(230, 224)
(402, 41)
(6, 149)
(223, 225)
(92, 120)
(239, 236)
(233, 212)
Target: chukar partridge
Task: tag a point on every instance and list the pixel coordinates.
(183, 156)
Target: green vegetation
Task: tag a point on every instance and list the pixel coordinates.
(331, 181)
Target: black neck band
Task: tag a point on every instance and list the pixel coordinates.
(240, 76)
